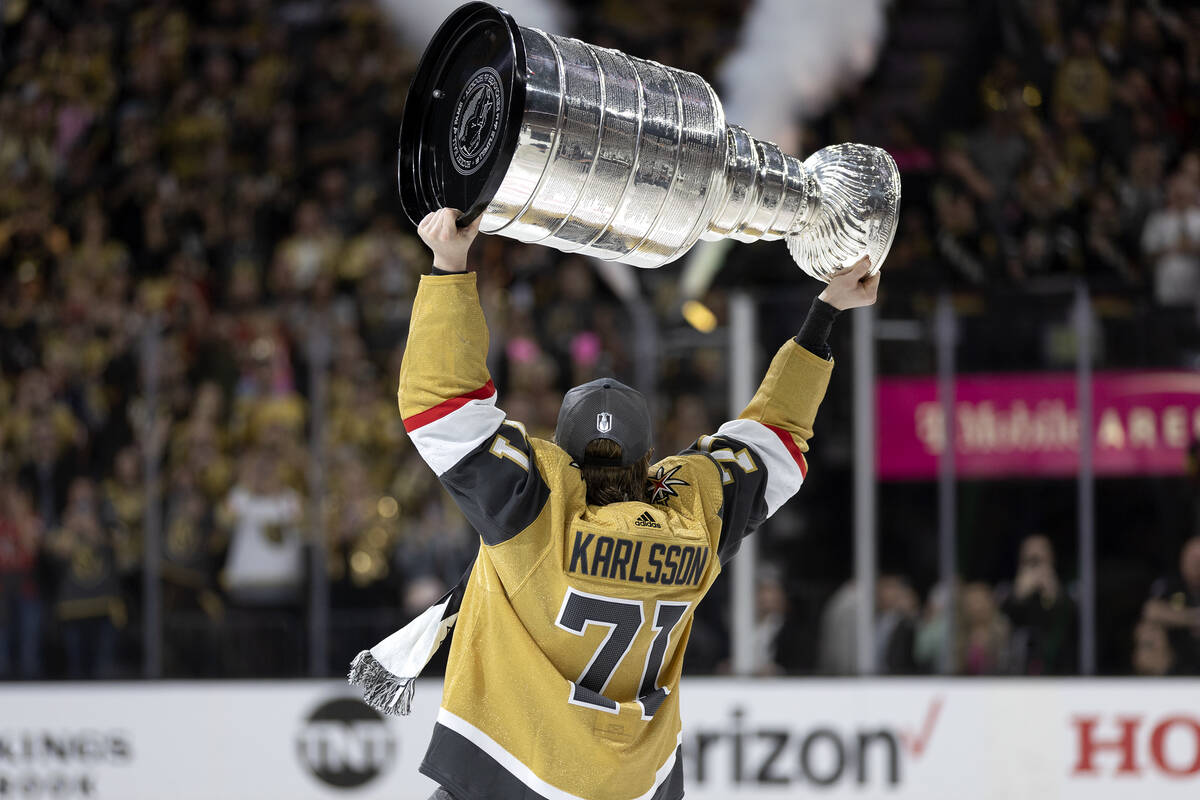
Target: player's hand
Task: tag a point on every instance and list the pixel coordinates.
(448, 242)
(851, 287)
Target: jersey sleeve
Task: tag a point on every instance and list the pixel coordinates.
(760, 455)
(448, 403)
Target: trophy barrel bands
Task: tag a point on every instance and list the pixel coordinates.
(628, 160)
(572, 77)
(617, 152)
(766, 193)
(537, 143)
(627, 166)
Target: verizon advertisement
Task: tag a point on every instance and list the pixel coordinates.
(1028, 424)
(923, 739)
(936, 739)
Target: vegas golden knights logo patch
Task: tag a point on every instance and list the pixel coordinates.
(662, 483)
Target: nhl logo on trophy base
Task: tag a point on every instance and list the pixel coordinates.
(588, 150)
(475, 123)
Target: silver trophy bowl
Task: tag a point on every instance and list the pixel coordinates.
(588, 150)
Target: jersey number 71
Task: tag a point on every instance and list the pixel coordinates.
(624, 619)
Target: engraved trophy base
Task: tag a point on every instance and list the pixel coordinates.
(858, 214)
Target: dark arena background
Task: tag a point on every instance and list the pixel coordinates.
(989, 585)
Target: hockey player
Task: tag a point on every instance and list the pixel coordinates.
(563, 675)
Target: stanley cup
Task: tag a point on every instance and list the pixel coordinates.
(588, 150)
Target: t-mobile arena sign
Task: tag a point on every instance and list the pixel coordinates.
(1027, 424)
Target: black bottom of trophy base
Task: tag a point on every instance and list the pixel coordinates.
(463, 114)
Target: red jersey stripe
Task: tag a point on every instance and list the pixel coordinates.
(790, 444)
(447, 406)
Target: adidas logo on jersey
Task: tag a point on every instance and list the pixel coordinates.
(646, 521)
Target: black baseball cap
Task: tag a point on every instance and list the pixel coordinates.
(604, 409)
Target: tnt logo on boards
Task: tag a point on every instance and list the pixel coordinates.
(346, 744)
(1132, 745)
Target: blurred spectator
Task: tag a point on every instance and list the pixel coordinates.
(307, 253)
(777, 641)
(1043, 616)
(89, 605)
(1141, 187)
(125, 504)
(1152, 655)
(837, 651)
(1109, 246)
(1082, 82)
(1175, 605)
(966, 249)
(265, 564)
(997, 152)
(929, 642)
(1171, 238)
(190, 549)
(45, 434)
(20, 595)
(895, 626)
(190, 546)
(983, 643)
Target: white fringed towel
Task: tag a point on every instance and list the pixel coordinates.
(386, 673)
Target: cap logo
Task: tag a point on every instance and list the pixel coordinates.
(604, 422)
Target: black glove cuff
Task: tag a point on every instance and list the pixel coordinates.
(814, 333)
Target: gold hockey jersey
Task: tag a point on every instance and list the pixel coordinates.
(563, 676)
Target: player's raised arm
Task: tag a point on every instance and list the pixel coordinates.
(448, 400)
(761, 453)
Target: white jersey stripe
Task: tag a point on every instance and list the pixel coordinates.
(523, 773)
(783, 473)
(449, 439)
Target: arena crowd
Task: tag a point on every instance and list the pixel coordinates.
(205, 277)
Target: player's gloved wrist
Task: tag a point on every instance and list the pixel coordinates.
(442, 269)
(814, 333)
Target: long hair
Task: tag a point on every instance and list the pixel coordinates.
(614, 484)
